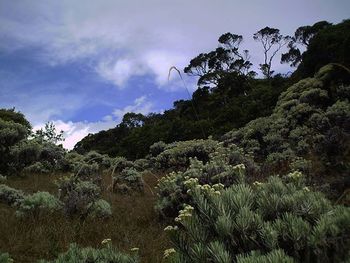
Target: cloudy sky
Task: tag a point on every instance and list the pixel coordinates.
(84, 63)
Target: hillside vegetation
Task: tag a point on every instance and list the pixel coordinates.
(261, 174)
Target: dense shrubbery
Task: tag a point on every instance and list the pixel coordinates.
(177, 155)
(75, 254)
(276, 221)
(10, 134)
(311, 118)
(10, 196)
(37, 203)
(223, 169)
(76, 198)
(29, 204)
(82, 198)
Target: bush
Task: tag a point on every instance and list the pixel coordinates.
(75, 254)
(276, 221)
(120, 163)
(156, 148)
(311, 120)
(2, 178)
(177, 155)
(80, 198)
(104, 161)
(142, 164)
(5, 258)
(223, 168)
(87, 172)
(100, 209)
(36, 156)
(10, 196)
(38, 202)
(37, 167)
(11, 133)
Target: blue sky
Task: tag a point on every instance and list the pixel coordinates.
(83, 64)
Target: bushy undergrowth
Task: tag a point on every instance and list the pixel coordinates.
(34, 156)
(10, 196)
(280, 220)
(40, 202)
(223, 169)
(311, 118)
(75, 254)
(82, 198)
(127, 175)
(176, 156)
(5, 258)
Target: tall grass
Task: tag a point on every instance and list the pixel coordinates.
(133, 224)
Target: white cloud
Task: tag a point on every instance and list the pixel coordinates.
(119, 71)
(122, 39)
(140, 105)
(75, 131)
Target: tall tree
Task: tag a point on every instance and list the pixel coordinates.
(272, 42)
(49, 134)
(227, 58)
(301, 39)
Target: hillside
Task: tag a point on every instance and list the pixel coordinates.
(249, 170)
(233, 100)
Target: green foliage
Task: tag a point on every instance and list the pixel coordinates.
(329, 45)
(37, 167)
(75, 254)
(100, 209)
(156, 148)
(302, 37)
(280, 220)
(310, 118)
(37, 203)
(132, 178)
(10, 196)
(177, 155)
(82, 198)
(222, 170)
(10, 134)
(49, 134)
(5, 258)
(86, 171)
(214, 66)
(35, 156)
(2, 178)
(15, 116)
(273, 256)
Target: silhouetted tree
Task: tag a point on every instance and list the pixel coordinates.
(210, 67)
(302, 37)
(272, 41)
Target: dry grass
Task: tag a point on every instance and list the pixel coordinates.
(134, 224)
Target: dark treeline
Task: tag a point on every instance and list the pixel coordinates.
(228, 94)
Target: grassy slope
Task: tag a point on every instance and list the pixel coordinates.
(134, 224)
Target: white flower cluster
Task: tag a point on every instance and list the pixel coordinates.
(168, 252)
(295, 175)
(171, 228)
(184, 213)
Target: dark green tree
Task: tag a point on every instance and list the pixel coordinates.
(227, 58)
(301, 39)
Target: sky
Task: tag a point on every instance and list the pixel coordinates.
(84, 64)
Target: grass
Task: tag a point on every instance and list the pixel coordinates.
(133, 224)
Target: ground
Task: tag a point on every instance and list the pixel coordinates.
(134, 224)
